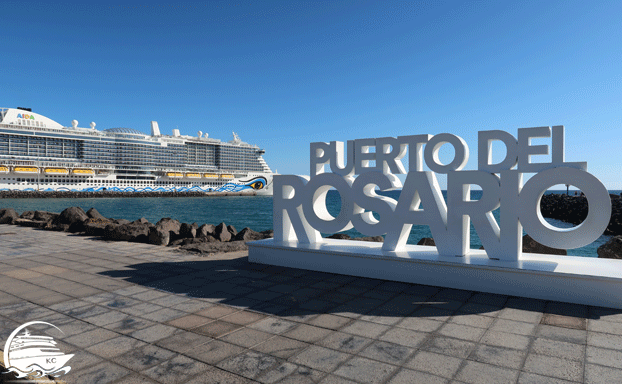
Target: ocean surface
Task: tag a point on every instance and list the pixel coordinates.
(254, 212)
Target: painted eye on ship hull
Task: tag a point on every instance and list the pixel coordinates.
(257, 185)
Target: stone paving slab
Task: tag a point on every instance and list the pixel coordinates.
(138, 313)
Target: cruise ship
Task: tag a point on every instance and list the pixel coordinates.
(39, 154)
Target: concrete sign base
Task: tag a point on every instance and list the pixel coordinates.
(571, 279)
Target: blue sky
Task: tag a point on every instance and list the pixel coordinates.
(284, 74)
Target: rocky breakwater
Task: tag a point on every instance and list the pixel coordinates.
(573, 209)
(204, 239)
(612, 249)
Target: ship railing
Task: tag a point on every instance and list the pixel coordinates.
(53, 164)
(125, 168)
(51, 130)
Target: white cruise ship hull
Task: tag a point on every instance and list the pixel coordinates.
(258, 183)
(39, 154)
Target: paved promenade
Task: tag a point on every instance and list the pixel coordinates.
(137, 313)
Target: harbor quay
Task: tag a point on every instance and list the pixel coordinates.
(141, 313)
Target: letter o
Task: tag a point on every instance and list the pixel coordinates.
(314, 203)
(599, 212)
(461, 153)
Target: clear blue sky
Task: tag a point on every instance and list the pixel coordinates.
(284, 74)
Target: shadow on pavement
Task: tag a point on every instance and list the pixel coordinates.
(294, 292)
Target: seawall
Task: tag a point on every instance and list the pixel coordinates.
(573, 209)
(69, 194)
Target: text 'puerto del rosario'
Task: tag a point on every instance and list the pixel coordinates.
(300, 206)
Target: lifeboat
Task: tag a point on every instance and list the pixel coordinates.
(26, 170)
(56, 171)
(193, 175)
(83, 171)
(103, 172)
(174, 174)
(4, 169)
(210, 175)
(226, 176)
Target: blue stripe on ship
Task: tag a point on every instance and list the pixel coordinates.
(229, 187)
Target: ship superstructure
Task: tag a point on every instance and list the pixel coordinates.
(37, 153)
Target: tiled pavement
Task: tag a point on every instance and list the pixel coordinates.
(136, 313)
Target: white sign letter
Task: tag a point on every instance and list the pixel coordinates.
(461, 153)
(599, 212)
(461, 209)
(288, 218)
(419, 186)
(314, 203)
(484, 151)
(364, 195)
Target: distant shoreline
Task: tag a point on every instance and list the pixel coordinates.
(69, 194)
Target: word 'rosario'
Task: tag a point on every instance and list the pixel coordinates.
(300, 212)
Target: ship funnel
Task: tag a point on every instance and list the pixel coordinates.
(200, 134)
(74, 123)
(155, 129)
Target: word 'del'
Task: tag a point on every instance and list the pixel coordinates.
(300, 212)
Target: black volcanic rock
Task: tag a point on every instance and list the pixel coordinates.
(164, 231)
(612, 249)
(95, 227)
(532, 246)
(195, 240)
(232, 230)
(206, 230)
(45, 216)
(137, 231)
(374, 239)
(70, 215)
(574, 209)
(217, 247)
(28, 215)
(248, 234)
(221, 232)
(8, 216)
(188, 230)
(30, 223)
(339, 236)
(94, 214)
(427, 241)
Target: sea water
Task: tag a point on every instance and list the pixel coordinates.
(254, 212)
